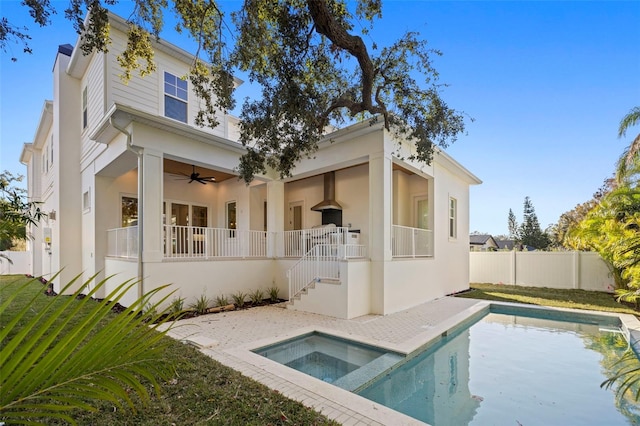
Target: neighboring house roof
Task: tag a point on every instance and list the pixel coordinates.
(479, 239)
(482, 242)
(509, 244)
(505, 244)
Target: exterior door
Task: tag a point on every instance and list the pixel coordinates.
(296, 241)
(180, 224)
(295, 215)
(199, 219)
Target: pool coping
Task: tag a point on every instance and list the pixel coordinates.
(350, 408)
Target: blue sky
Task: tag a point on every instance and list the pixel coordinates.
(546, 82)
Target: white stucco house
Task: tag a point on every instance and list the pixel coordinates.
(112, 165)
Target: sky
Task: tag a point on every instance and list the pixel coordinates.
(546, 84)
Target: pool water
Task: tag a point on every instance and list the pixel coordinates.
(511, 370)
(322, 366)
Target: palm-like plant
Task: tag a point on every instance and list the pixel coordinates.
(630, 154)
(52, 363)
(611, 229)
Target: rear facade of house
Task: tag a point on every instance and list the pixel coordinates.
(355, 230)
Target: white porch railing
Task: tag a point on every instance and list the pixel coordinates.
(123, 242)
(411, 242)
(198, 242)
(188, 242)
(321, 262)
(297, 243)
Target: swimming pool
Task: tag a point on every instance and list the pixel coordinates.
(509, 366)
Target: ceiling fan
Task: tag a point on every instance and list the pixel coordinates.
(195, 176)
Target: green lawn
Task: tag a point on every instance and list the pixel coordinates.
(202, 391)
(576, 299)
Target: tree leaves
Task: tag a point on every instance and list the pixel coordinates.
(315, 72)
(15, 212)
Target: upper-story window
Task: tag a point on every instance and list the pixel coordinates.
(175, 97)
(84, 108)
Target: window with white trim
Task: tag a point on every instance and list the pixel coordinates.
(231, 215)
(86, 201)
(453, 217)
(85, 117)
(175, 97)
(129, 211)
(421, 212)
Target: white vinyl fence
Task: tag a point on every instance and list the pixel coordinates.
(580, 270)
(21, 262)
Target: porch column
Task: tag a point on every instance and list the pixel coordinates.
(150, 163)
(275, 218)
(380, 216)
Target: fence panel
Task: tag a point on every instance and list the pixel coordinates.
(545, 269)
(491, 267)
(20, 263)
(594, 273)
(580, 270)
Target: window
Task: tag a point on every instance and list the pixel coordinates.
(86, 201)
(47, 156)
(453, 219)
(199, 216)
(84, 108)
(264, 213)
(129, 211)
(175, 97)
(231, 215)
(421, 206)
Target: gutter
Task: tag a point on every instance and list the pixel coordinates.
(140, 203)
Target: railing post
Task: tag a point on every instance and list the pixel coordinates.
(413, 243)
(304, 242)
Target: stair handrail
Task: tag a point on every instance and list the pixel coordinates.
(330, 253)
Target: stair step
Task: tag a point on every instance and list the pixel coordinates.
(330, 281)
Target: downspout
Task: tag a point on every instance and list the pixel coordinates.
(140, 204)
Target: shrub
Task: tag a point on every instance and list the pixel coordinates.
(176, 308)
(256, 296)
(238, 299)
(222, 300)
(273, 293)
(201, 305)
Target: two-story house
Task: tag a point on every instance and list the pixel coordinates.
(135, 189)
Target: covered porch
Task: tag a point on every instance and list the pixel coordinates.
(200, 221)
